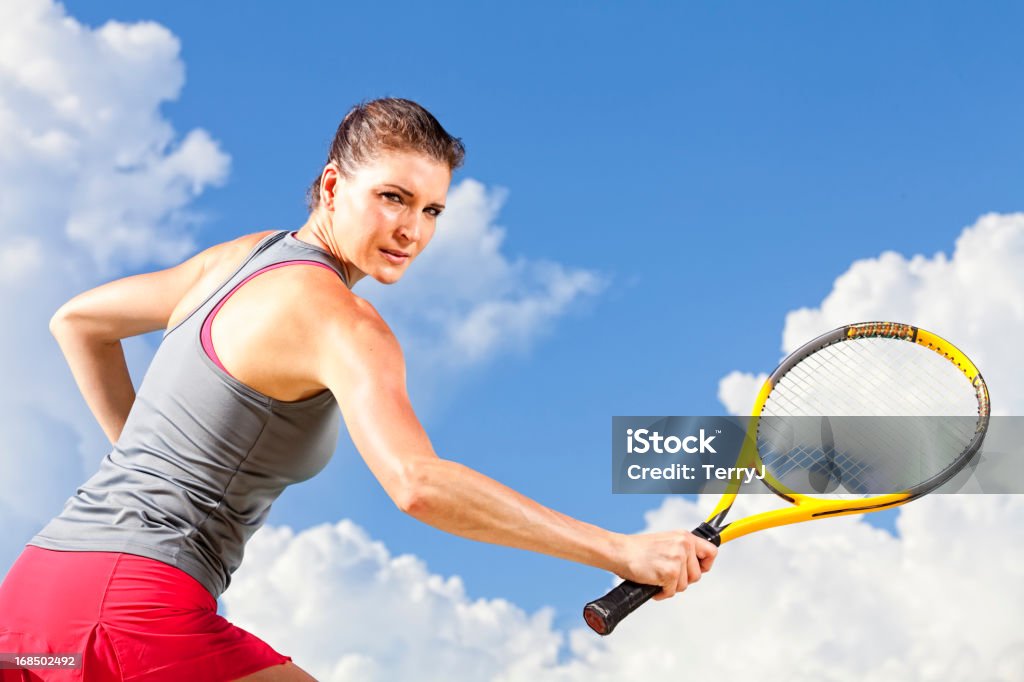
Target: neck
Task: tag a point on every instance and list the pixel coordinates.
(316, 231)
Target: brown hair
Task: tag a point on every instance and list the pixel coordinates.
(388, 124)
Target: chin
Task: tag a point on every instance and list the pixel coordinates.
(388, 277)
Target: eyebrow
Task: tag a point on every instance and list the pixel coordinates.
(409, 194)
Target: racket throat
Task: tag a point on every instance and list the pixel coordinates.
(709, 533)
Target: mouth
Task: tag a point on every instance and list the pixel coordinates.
(395, 256)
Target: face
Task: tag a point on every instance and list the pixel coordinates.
(384, 215)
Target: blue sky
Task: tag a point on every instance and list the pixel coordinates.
(718, 164)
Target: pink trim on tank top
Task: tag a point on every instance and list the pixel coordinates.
(206, 335)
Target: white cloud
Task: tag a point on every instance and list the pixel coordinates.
(464, 301)
(974, 298)
(39, 466)
(836, 600)
(19, 260)
(345, 609)
(88, 161)
(38, 461)
(738, 390)
(95, 180)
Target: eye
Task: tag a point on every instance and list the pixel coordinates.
(433, 211)
(391, 196)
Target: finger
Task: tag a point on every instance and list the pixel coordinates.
(685, 572)
(706, 553)
(693, 571)
(705, 548)
(707, 558)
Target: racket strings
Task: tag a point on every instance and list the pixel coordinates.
(876, 382)
(920, 413)
(826, 404)
(887, 433)
(928, 371)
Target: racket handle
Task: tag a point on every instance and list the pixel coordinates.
(602, 615)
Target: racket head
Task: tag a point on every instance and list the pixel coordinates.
(884, 373)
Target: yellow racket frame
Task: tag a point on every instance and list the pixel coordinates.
(804, 507)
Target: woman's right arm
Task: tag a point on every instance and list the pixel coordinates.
(360, 361)
(90, 326)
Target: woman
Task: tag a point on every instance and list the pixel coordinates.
(241, 400)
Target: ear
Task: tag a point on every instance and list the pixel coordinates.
(329, 181)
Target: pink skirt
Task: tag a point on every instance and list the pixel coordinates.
(130, 618)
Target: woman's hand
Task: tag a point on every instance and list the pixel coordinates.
(674, 560)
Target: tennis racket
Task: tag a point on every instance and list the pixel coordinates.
(873, 370)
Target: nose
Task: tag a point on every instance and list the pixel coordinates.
(410, 229)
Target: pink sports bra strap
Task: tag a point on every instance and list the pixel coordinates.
(206, 335)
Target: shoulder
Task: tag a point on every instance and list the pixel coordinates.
(351, 341)
(232, 252)
(313, 306)
(216, 262)
(347, 319)
(346, 346)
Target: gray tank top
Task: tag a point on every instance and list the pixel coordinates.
(202, 456)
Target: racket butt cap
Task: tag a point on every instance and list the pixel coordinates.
(597, 619)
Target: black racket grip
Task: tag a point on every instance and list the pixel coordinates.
(602, 615)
